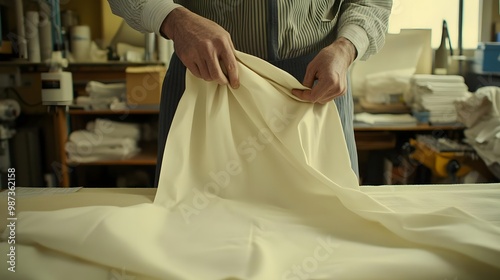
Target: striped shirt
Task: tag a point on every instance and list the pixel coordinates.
(304, 26)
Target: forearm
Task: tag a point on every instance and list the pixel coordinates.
(364, 23)
(143, 15)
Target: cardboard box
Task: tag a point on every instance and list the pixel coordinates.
(144, 85)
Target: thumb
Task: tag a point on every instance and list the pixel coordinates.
(310, 75)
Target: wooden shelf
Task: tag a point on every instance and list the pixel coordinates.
(420, 127)
(380, 140)
(120, 66)
(113, 112)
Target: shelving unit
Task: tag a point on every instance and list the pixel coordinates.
(147, 155)
(80, 112)
(60, 123)
(146, 158)
(73, 173)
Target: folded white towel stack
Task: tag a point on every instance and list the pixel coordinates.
(104, 140)
(388, 86)
(103, 96)
(386, 119)
(437, 94)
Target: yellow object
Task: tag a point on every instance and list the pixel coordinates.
(437, 161)
(5, 47)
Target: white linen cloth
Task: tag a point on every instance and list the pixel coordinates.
(115, 129)
(380, 86)
(256, 185)
(103, 96)
(386, 119)
(100, 90)
(481, 114)
(100, 144)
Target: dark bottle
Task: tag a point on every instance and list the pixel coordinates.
(442, 56)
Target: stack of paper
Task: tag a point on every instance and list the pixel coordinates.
(437, 94)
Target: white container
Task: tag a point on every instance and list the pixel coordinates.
(32, 22)
(57, 88)
(45, 32)
(22, 44)
(80, 43)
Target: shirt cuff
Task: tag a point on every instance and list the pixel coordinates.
(155, 12)
(358, 38)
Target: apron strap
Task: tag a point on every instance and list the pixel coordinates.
(272, 35)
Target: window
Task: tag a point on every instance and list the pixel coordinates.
(409, 14)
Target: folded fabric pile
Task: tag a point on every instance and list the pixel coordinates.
(386, 119)
(104, 140)
(436, 94)
(387, 87)
(103, 96)
(481, 115)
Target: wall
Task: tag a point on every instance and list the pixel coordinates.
(495, 12)
(495, 16)
(490, 17)
(97, 14)
(89, 13)
(110, 23)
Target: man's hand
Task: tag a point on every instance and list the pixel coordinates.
(203, 46)
(329, 68)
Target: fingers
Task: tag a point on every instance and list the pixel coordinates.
(229, 63)
(324, 91)
(205, 48)
(302, 94)
(309, 78)
(215, 71)
(193, 67)
(310, 75)
(223, 72)
(211, 69)
(325, 82)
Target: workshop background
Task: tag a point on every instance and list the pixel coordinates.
(79, 104)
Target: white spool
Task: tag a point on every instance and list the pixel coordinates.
(45, 31)
(80, 43)
(32, 21)
(22, 44)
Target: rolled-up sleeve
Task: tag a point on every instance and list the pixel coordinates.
(143, 15)
(364, 23)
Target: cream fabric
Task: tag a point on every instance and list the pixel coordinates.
(257, 185)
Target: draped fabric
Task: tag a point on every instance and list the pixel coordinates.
(258, 185)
